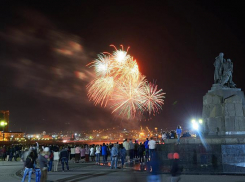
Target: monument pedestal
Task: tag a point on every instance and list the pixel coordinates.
(224, 111)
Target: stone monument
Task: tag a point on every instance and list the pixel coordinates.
(224, 105)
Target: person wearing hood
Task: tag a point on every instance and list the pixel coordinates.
(24, 155)
(28, 166)
(64, 158)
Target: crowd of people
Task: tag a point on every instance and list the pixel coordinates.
(175, 134)
(124, 152)
(10, 153)
(42, 159)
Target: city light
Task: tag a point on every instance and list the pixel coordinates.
(115, 133)
(3, 123)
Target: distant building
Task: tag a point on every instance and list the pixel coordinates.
(12, 136)
(38, 136)
(46, 137)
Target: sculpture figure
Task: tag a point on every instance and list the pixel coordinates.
(218, 67)
(227, 70)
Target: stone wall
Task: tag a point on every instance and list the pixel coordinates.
(224, 111)
(208, 140)
(233, 158)
(229, 158)
(191, 155)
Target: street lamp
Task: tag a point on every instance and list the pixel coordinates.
(197, 125)
(3, 124)
(200, 121)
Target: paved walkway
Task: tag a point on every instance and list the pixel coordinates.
(89, 172)
(8, 171)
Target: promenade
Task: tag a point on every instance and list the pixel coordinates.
(89, 172)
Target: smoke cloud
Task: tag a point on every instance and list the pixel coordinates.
(45, 67)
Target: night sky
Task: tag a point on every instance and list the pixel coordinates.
(45, 46)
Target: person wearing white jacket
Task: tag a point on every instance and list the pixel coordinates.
(56, 160)
(92, 153)
(97, 153)
(127, 147)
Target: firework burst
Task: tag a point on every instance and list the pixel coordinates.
(120, 84)
(100, 90)
(127, 98)
(152, 98)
